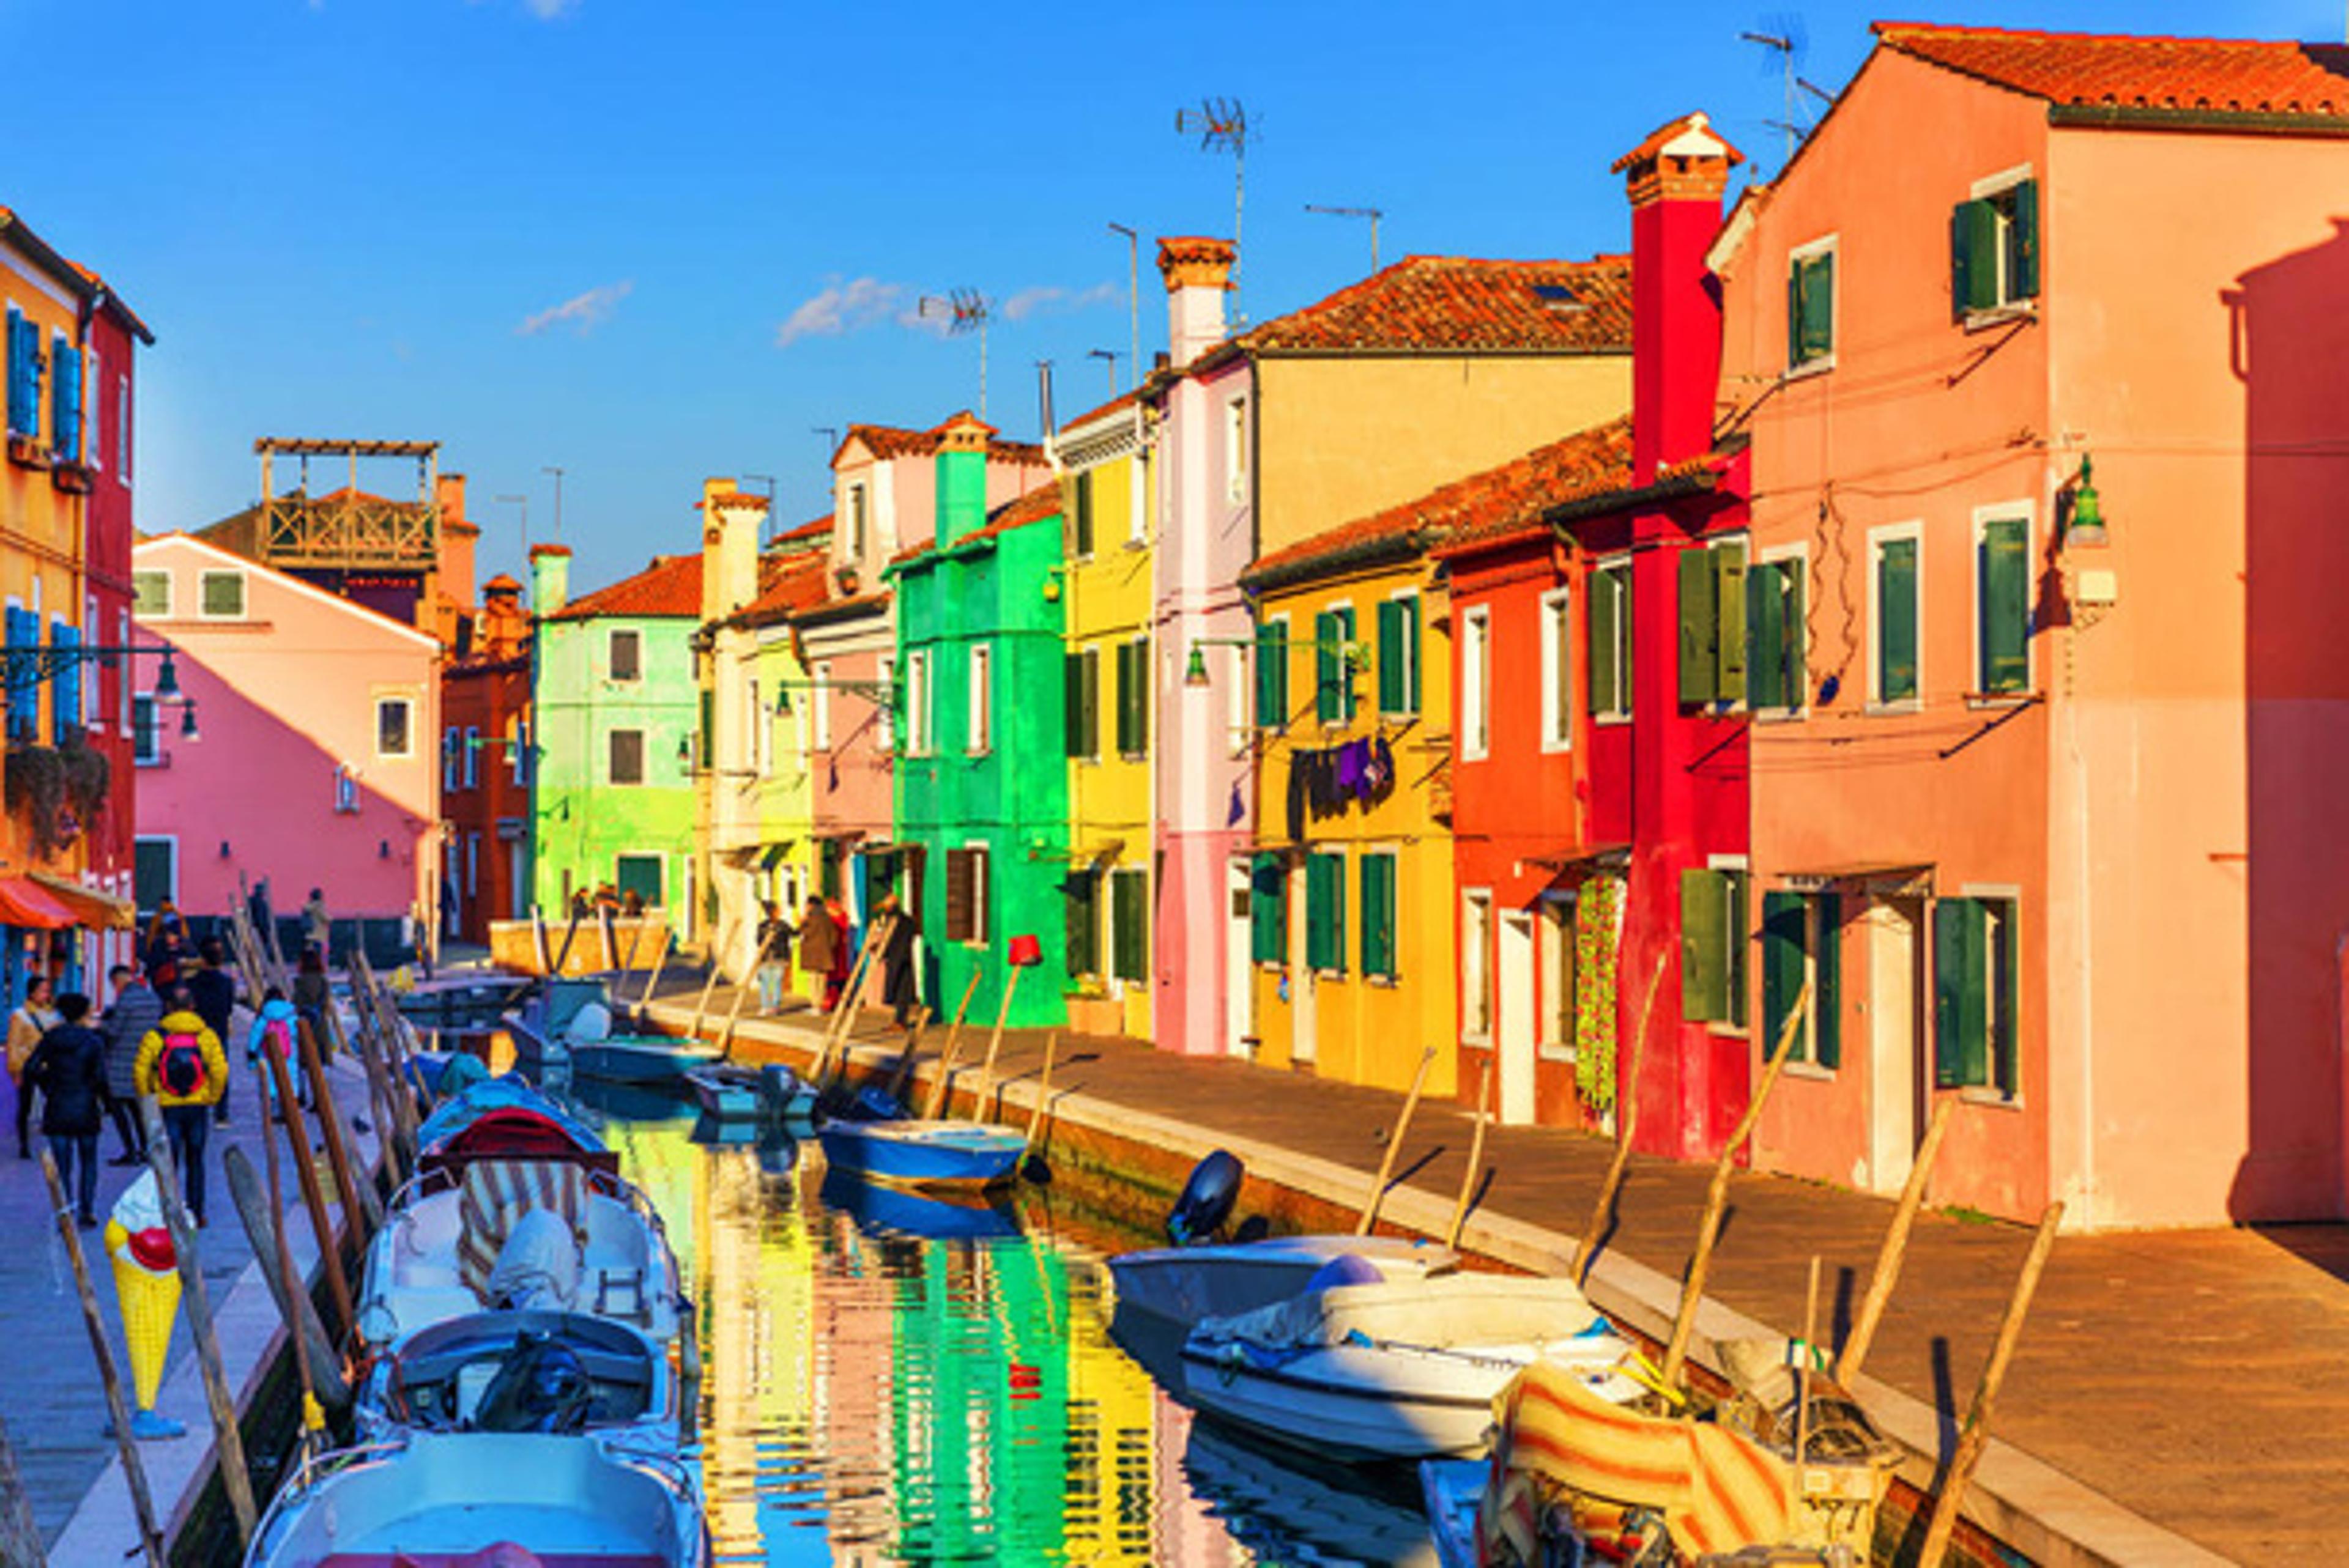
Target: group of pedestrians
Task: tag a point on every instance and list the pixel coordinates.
(822, 944)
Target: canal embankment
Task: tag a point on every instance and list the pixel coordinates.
(2171, 1403)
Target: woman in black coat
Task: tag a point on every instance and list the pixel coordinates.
(69, 1065)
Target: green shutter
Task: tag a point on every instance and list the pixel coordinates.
(1826, 968)
(2022, 241)
(1325, 913)
(1078, 891)
(1598, 625)
(1084, 510)
(1090, 674)
(1325, 668)
(1729, 622)
(1960, 991)
(1271, 676)
(1408, 615)
(1379, 915)
(2005, 606)
(1627, 671)
(1704, 972)
(1337, 864)
(1130, 910)
(1394, 682)
(1072, 701)
(1783, 930)
(1345, 619)
(1699, 669)
(1974, 257)
(1766, 621)
(1896, 621)
(1795, 645)
(1794, 314)
(1268, 911)
(1814, 307)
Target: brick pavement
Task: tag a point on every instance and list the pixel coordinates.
(2191, 1376)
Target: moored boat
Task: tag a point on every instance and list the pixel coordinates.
(541, 1025)
(489, 1368)
(646, 1059)
(925, 1153)
(931, 1216)
(505, 1119)
(731, 1091)
(1185, 1285)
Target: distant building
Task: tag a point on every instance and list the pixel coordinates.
(485, 769)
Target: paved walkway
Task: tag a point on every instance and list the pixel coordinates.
(2195, 1377)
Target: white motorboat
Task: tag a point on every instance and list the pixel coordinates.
(541, 1025)
(437, 1500)
(1185, 1285)
(478, 1371)
(1401, 1370)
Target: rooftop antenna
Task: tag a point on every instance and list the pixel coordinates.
(965, 310)
(558, 499)
(1372, 214)
(1132, 291)
(1222, 124)
(1784, 37)
(773, 521)
(1111, 355)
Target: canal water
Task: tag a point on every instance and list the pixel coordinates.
(891, 1379)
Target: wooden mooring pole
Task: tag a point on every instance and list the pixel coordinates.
(1475, 1157)
(1627, 1122)
(1369, 1215)
(20, 1538)
(295, 1307)
(954, 1046)
(1890, 1256)
(305, 1171)
(1043, 1088)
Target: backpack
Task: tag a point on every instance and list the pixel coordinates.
(181, 1069)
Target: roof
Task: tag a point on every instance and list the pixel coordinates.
(1514, 496)
(814, 527)
(671, 586)
(1459, 304)
(886, 441)
(1121, 400)
(1037, 505)
(369, 614)
(115, 306)
(2114, 72)
(801, 588)
(502, 584)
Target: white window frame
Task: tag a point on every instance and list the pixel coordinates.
(1235, 449)
(406, 752)
(2008, 307)
(152, 755)
(171, 590)
(1392, 849)
(1557, 608)
(1476, 962)
(860, 521)
(204, 611)
(1983, 516)
(1346, 671)
(471, 756)
(171, 842)
(1554, 949)
(1913, 530)
(448, 743)
(346, 789)
(979, 737)
(886, 709)
(124, 685)
(820, 705)
(611, 669)
(1138, 512)
(122, 428)
(982, 889)
(1415, 672)
(1624, 642)
(517, 750)
(921, 728)
(1240, 708)
(94, 402)
(1746, 962)
(1824, 245)
(1476, 683)
(1800, 707)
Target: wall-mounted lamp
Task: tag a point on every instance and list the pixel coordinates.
(223, 849)
(167, 680)
(1194, 674)
(2084, 521)
(782, 702)
(188, 723)
(383, 849)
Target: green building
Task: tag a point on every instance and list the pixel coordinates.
(981, 777)
(617, 709)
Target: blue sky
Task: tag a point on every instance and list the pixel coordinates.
(572, 232)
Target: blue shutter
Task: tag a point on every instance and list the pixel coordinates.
(19, 363)
(65, 414)
(65, 688)
(24, 676)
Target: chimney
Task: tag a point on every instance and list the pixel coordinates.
(1675, 180)
(503, 621)
(961, 476)
(458, 537)
(1198, 273)
(730, 547)
(550, 578)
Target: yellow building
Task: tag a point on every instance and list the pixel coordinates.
(1107, 502)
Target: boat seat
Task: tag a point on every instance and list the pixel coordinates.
(495, 1194)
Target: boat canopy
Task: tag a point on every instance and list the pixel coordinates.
(505, 1119)
(1440, 1312)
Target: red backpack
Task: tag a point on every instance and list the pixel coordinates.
(181, 1069)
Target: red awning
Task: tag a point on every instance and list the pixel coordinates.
(23, 903)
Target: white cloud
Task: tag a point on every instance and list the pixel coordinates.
(843, 307)
(1046, 299)
(549, 10)
(583, 314)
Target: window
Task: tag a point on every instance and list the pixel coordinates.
(1378, 914)
(1713, 946)
(1897, 603)
(2002, 605)
(24, 684)
(1802, 940)
(920, 736)
(856, 522)
(1133, 698)
(1712, 622)
(346, 789)
(1776, 677)
(220, 596)
(518, 751)
(146, 742)
(1556, 671)
(96, 405)
(394, 726)
(64, 682)
(885, 714)
(626, 762)
(1325, 913)
(967, 892)
(980, 736)
(1081, 697)
(638, 874)
(65, 407)
(1607, 621)
(1554, 955)
(1476, 965)
(1333, 665)
(1994, 248)
(24, 374)
(1476, 683)
(623, 655)
(150, 596)
(1137, 500)
(1975, 1004)
(1268, 911)
(1082, 892)
(155, 871)
(1810, 307)
(1236, 447)
(820, 703)
(1082, 516)
(1272, 673)
(472, 757)
(1399, 655)
(1129, 913)
(122, 681)
(449, 761)
(122, 425)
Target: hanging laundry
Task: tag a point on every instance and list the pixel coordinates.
(1382, 770)
(1350, 768)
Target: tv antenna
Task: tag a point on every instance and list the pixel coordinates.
(1223, 126)
(1113, 356)
(1372, 214)
(1785, 37)
(965, 311)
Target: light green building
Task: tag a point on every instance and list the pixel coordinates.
(618, 713)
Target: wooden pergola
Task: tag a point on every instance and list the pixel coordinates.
(350, 529)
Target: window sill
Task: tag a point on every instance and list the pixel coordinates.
(2001, 316)
(1990, 1098)
(150, 761)
(1811, 1070)
(1482, 1042)
(1554, 1053)
(1557, 748)
(1992, 701)
(1778, 715)
(1893, 709)
(1609, 720)
(1384, 982)
(1807, 369)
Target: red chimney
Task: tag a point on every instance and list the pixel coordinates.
(1675, 180)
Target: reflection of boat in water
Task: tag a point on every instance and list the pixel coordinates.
(1287, 1508)
(627, 1101)
(882, 1211)
(646, 1059)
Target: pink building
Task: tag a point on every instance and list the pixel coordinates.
(2039, 341)
(317, 762)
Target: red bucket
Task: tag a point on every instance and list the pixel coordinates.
(1027, 951)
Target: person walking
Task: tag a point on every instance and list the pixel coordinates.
(312, 996)
(69, 1065)
(820, 945)
(276, 1020)
(213, 990)
(136, 1010)
(180, 1063)
(318, 930)
(775, 936)
(27, 1024)
(900, 989)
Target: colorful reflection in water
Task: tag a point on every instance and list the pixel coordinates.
(897, 1381)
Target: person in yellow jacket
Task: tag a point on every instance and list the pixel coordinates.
(180, 1063)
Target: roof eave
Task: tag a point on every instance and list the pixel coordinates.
(1385, 551)
(1671, 488)
(2147, 117)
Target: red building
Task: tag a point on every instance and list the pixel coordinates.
(485, 769)
(1607, 802)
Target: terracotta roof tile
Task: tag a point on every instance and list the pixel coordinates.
(1123, 399)
(1461, 304)
(1035, 506)
(2221, 75)
(814, 527)
(1488, 504)
(801, 588)
(886, 441)
(671, 586)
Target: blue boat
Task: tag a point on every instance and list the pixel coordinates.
(894, 1211)
(648, 1059)
(925, 1153)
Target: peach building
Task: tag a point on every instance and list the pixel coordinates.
(2040, 346)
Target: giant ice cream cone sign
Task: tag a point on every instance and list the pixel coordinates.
(146, 1284)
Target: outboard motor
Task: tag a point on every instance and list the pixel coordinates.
(1207, 1199)
(875, 1104)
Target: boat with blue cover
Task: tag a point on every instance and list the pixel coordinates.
(883, 1210)
(925, 1153)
